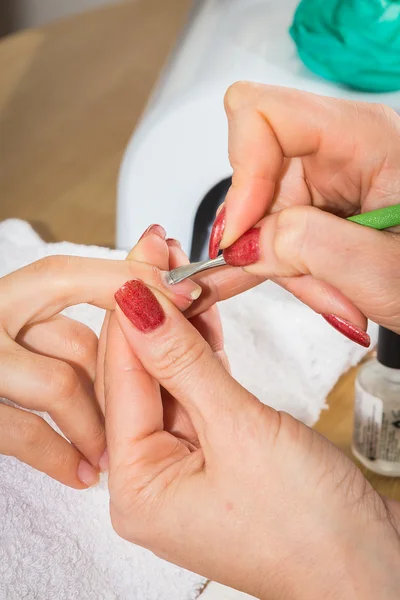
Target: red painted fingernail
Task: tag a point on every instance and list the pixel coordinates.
(155, 230)
(140, 306)
(245, 251)
(173, 242)
(349, 330)
(217, 232)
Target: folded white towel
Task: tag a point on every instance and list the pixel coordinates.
(56, 543)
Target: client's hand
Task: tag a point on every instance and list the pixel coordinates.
(237, 491)
(48, 361)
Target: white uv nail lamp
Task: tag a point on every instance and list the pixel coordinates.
(176, 170)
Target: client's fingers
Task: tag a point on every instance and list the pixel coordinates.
(65, 339)
(49, 385)
(31, 440)
(221, 284)
(177, 257)
(151, 248)
(44, 288)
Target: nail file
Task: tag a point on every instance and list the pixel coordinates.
(382, 218)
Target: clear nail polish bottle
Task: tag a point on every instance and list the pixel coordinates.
(376, 432)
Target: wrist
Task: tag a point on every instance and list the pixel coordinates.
(354, 563)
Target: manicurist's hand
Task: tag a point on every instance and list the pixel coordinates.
(301, 163)
(224, 485)
(48, 361)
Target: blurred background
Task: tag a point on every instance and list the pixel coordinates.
(20, 14)
(111, 113)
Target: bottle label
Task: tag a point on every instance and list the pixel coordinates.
(376, 433)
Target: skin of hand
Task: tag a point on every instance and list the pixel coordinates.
(164, 254)
(301, 163)
(238, 492)
(48, 361)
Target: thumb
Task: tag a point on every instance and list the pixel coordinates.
(306, 249)
(173, 352)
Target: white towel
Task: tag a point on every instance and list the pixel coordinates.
(57, 543)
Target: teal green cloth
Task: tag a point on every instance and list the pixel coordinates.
(353, 42)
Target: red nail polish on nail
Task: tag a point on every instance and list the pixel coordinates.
(349, 330)
(155, 230)
(173, 242)
(245, 251)
(217, 232)
(140, 305)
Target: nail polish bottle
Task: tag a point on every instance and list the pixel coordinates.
(376, 431)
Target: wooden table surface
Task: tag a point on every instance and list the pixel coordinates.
(70, 96)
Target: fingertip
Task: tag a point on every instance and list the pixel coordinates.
(245, 251)
(187, 288)
(172, 242)
(151, 247)
(247, 202)
(177, 256)
(217, 233)
(154, 230)
(104, 462)
(349, 330)
(140, 306)
(87, 474)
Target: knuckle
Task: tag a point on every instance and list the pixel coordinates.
(384, 113)
(61, 461)
(96, 433)
(50, 265)
(82, 343)
(380, 117)
(45, 265)
(31, 429)
(291, 237)
(64, 382)
(56, 268)
(178, 357)
(132, 268)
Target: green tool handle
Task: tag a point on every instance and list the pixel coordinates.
(382, 218)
